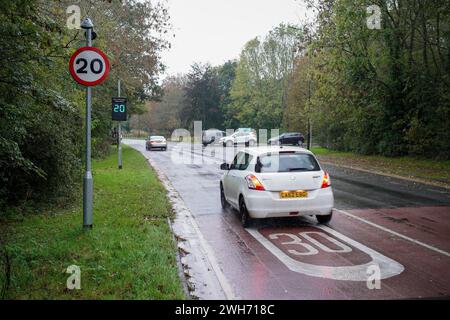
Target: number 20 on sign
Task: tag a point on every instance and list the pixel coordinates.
(89, 66)
(119, 109)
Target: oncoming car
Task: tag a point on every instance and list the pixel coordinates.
(239, 137)
(212, 136)
(274, 181)
(154, 142)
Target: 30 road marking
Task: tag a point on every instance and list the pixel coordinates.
(445, 253)
(388, 267)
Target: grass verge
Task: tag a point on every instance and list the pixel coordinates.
(129, 253)
(436, 172)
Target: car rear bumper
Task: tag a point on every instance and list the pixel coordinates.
(157, 145)
(266, 204)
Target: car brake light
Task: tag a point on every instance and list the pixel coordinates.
(254, 183)
(326, 180)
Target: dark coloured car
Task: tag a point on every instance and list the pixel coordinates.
(293, 138)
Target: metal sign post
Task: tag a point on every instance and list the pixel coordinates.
(119, 113)
(89, 66)
(88, 183)
(120, 133)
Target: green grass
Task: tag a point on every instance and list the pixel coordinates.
(129, 253)
(437, 171)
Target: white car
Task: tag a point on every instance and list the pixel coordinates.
(264, 182)
(239, 137)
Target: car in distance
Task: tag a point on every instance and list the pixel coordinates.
(294, 138)
(240, 137)
(245, 130)
(212, 136)
(276, 181)
(156, 142)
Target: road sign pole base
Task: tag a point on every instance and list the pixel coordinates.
(88, 188)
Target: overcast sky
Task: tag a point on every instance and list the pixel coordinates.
(215, 31)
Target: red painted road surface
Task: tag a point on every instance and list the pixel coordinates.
(411, 236)
(261, 275)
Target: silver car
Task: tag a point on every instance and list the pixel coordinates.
(156, 142)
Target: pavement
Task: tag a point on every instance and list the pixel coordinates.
(389, 238)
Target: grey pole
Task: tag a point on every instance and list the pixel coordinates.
(120, 129)
(88, 183)
(309, 146)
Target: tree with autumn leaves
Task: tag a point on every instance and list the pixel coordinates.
(42, 108)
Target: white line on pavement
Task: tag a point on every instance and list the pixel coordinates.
(445, 253)
(208, 251)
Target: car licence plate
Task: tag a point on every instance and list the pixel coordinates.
(293, 194)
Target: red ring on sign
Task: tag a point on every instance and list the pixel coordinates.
(81, 81)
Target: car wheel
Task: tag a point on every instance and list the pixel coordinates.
(246, 221)
(223, 200)
(325, 218)
(252, 143)
(229, 143)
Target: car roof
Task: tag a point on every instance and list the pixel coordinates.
(156, 136)
(259, 150)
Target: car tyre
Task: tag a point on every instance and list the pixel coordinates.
(223, 200)
(324, 219)
(246, 220)
(229, 143)
(252, 143)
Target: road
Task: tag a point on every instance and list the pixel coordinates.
(380, 225)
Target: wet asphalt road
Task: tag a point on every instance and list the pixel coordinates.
(400, 227)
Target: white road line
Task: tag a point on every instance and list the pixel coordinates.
(226, 287)
(445, 253)
(388, 267)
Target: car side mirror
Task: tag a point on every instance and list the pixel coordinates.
(225, 166)
(258, 165)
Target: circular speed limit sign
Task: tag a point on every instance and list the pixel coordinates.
(89, 66)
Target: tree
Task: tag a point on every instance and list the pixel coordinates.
(41, 107)
(226, 74)
(259, 92)
(202, 97)
(295, 118)
(162, 117)
(383, 91)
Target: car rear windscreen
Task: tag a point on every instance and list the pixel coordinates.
(287, 162)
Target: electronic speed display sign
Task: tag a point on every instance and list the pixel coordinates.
(119, 109)
(89, 66)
